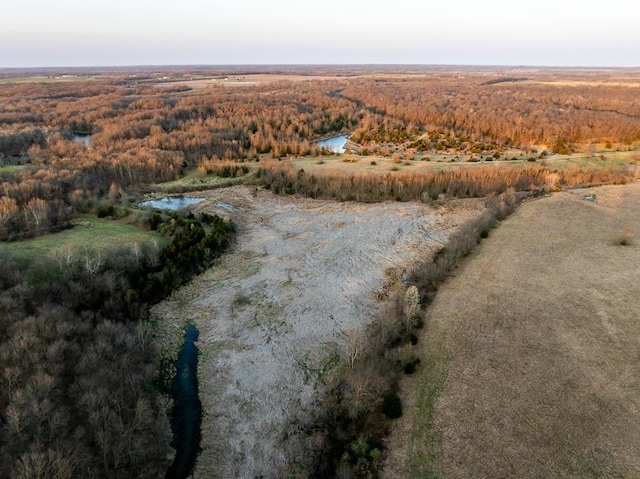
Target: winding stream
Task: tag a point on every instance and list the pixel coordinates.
(187, 409)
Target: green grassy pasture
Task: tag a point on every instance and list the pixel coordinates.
(91, 232)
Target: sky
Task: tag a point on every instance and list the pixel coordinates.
(47, 33)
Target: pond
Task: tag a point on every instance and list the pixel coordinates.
(187, 408)
(335, 144)
(172, 203)
(80, 138)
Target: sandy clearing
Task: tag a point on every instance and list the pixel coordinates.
(538, 335)
(302, 272)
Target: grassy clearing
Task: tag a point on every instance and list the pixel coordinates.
(39, 79)
(602, 160)
(583, 83)
(13, 168)
(91, 232)
(419, 462)
(196, 181)
(383, 165)
(537, 336)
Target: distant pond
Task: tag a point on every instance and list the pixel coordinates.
(172, 203)
(335, 144)
(80, 138)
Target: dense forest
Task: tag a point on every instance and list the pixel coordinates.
(79, 366)
(461, 113)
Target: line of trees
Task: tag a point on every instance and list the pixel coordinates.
(478, 181)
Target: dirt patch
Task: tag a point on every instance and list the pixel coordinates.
(532, 351)
(269, 314)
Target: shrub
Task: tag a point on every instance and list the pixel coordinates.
(411, 367)
(625, 239)
(392, 405)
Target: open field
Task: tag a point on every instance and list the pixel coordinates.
(13, 168)
(359, 164)
(46, 79)
(246, 80)
(196, 181)
(580, 83)
(90, 232)
(271, 313)
(530, 356)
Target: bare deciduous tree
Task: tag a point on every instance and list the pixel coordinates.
(354, 346)
(36, 211)
(411, 307)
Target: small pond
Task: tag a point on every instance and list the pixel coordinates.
(335, 144)
(86, 139)
(172, 203)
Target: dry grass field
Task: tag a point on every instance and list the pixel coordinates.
(531, 355)
(354, 164)
(246, 80)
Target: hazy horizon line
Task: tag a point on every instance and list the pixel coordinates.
(338, 64)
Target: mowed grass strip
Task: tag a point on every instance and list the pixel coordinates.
(39, 79)
(530, 355)
(92, 233)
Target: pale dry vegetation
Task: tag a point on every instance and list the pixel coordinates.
(287, 309)
(530, 352)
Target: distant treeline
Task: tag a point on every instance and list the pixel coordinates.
(508, 114)
(503, 80)
(477, 181)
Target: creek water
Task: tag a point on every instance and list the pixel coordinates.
(187, 409)
(335, 144)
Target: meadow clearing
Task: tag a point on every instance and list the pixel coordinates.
(89, 233)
